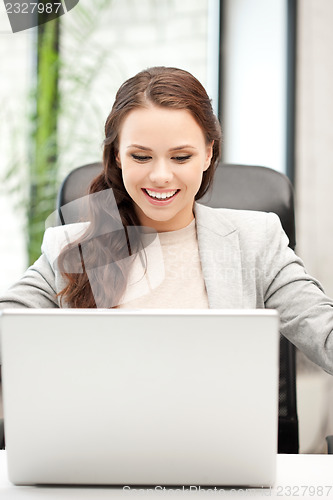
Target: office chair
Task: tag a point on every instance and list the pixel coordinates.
(329, 440)
(2, 435)
(240, 187)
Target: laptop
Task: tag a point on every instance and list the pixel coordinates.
(141, 397)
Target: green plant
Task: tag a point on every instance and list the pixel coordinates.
(35, 173)
(43, 165)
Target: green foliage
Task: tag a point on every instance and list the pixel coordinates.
(33, 174)
(43, 162)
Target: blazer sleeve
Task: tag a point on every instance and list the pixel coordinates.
(41, 282)
(36, 288)
(306, 313)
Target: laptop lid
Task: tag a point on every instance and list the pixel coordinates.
(173, 397)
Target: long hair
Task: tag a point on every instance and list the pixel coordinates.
(106, 249)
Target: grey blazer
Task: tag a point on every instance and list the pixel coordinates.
(246, 263)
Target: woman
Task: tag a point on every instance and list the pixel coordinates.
(161, 149)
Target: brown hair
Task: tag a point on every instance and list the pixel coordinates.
(161, 86)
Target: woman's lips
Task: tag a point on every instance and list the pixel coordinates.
(160, 197)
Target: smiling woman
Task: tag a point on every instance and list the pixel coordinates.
(150, 245)
(162, 145)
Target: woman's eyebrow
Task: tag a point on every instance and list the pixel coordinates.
(184, 146)
(144, 148)
(177, 148)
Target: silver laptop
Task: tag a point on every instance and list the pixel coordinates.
(141, 397)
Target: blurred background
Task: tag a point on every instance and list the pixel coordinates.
(268, 68)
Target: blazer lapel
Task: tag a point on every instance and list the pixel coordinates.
(220, 258)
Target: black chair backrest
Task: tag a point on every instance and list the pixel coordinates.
(239, 187)
(259, 188)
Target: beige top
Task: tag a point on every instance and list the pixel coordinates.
(173, 278)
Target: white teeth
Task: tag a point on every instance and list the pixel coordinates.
(161, 196)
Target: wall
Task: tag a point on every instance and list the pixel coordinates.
(314, 160)
(314, 200)
(254, 83)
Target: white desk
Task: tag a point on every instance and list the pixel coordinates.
(302, 476)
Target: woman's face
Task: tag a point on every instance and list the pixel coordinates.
(162, 155)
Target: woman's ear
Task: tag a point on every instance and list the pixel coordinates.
(117, 159)
(209, 155)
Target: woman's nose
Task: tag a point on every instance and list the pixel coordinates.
(161, 173)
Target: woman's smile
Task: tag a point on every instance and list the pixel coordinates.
(160, 197)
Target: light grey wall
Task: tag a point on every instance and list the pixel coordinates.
(314, 143)
(314, 201)
(254, 82)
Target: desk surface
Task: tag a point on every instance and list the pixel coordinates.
(302, 476)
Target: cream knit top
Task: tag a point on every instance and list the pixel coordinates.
(173, 278)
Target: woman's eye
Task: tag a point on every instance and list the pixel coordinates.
(182, 159)
(141, 157)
